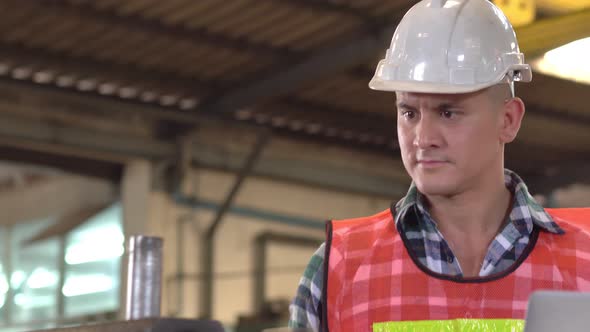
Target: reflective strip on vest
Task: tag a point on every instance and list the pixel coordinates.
(453, 325)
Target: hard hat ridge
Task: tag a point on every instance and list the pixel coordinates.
(438, 3)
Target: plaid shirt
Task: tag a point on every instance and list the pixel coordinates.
(428, 244)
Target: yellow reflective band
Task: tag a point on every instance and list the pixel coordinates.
(453, 325)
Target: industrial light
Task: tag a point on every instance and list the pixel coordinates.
(278, 121)
(127, 92)
(107, 88)
(43, 77)
(569, 61)
(65, 81)
(148, 96)
(168, 100)
(22, 73)
(244, 114)
(86, 85)
(188, 103)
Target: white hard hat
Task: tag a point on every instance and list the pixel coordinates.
(451, 46)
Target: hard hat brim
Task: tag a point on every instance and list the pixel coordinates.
(425, 87)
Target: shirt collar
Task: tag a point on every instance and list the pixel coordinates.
(525, 210)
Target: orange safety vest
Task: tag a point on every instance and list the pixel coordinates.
(371, 277)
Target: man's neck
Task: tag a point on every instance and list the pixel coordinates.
(470, 221)
(476, 211)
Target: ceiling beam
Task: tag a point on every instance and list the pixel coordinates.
(93, 167)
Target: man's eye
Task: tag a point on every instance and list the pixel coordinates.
(409, 114)
(448, 114)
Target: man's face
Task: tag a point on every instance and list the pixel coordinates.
(449, 141)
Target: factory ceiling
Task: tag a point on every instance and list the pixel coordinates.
(299, 68)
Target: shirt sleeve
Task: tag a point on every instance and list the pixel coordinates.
(305, 308)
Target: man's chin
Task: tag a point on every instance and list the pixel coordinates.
(439, 186)
(437, 191)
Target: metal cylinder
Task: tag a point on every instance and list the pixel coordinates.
(144, 277)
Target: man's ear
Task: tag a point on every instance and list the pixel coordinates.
(512, 115)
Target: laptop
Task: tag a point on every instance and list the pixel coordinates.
(558, 311)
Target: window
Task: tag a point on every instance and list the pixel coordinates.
(31, 295)
(34, 275)
(93, 254)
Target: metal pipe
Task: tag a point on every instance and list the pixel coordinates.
(208, 250)
(249, 212)
(144, 277)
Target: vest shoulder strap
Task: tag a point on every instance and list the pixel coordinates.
(353, 222)
(579, 217)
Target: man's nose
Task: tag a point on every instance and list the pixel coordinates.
(427, 134)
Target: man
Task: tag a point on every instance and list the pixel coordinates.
(468, 240)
